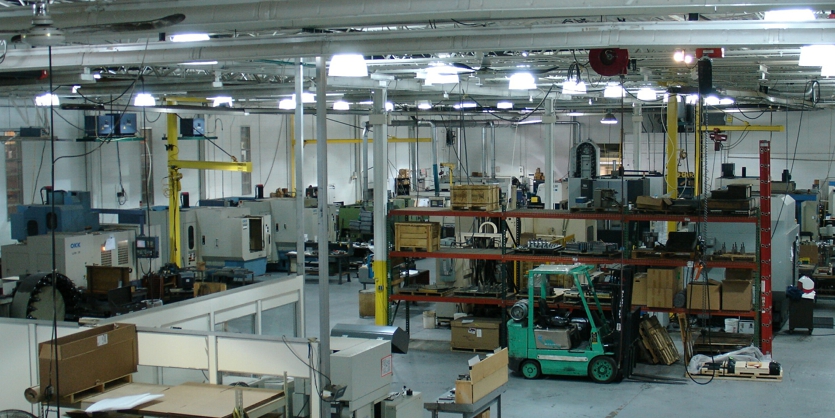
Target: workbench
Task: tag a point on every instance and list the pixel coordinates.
(196, 400)
(446, 404)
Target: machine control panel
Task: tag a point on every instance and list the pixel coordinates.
(147, 247)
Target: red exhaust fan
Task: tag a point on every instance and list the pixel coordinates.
(609, 61)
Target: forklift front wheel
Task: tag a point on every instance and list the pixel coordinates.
(603, 369)
(531, 369)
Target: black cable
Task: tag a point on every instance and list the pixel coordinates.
(130, 86)
(38, 176)
(123, 198)
(275, 154)
(212, 142)
(54, 255)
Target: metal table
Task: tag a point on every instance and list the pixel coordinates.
(466, 410)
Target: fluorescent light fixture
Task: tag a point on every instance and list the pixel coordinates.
(678, 56)
(144, 99)
(200, 63)
(341, 104)
(828, 70)
(529, 121)
(570, 87)
(575, 113)
(306, 98)
(75, 88)
(614, 91)
(348, 65)
(389, 106)
(424, 104)
(789, 15)
(287, 104)
(609, 119)
(521, 81)
(691, 99)
(221, 101)
(46, 100)
(817, 55)
(465, 105)
(190, 37)
(646, 94)
(714, 100)
(504, 105)
(688, 59)
(440, 74)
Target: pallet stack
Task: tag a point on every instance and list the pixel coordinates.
(657, 342)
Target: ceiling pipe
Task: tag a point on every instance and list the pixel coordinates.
(638, 34)
(289, 15)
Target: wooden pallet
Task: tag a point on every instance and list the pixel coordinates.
(658, 342)
(645, 253)
(741, 376)
(734, 257)
(100, 388)
(486, 207)
(471, 350)
(425, 291)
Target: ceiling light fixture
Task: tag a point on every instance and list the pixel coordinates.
(348, 65)
(646, 94)
(46, 100)
(609, 119)
(816, 55)
(341, 105)
(287, 104)
(200, 63)
(522, 81)
(144, 99)
(465, 105)
(678, 56)
(789, 15)
(714, 100)
(190, 37)
(504, 105)
(389, 106)
(440, 74)
(424, 104)
(221, 101)
(614, 91)
(575, 113)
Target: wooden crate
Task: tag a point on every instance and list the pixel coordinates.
(417, 236)
(476, 196)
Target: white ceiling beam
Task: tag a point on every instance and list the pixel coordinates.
(575, 36)
(249, 15)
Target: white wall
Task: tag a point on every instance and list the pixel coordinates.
(516, 146)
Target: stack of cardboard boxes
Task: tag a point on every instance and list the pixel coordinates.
(662, 285)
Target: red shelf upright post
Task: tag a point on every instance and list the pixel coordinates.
(766, 329)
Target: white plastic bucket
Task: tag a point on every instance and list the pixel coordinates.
(732, 325)
(429, 319)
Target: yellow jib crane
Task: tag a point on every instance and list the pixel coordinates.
(174, 177)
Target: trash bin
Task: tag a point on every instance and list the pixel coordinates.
(801, 314)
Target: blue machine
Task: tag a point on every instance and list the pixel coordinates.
(72, 214)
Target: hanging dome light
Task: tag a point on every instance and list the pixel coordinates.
(609, 119)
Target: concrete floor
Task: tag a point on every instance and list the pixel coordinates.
(431, 368)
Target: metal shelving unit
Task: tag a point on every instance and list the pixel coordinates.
(762, 220)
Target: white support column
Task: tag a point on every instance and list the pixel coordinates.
(637, 127)
(299, 148)
(322, 214)
(379, 121)
(549, 119)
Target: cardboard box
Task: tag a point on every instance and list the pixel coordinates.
(652, 203)
(485, 376)
(737, 295)
(739, 274)
(660, 298)
(697, 292)
(746, 326)
(475, 333)
(89, 358)
(809, 251)
(664, 279)
(639, 289)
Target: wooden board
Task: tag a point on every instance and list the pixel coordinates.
(657, 341)
(194, 399)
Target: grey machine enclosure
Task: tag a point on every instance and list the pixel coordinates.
(398, 338)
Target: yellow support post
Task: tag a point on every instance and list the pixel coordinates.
(697, 172)
(671, 159)
(174, 177)
(381, 291)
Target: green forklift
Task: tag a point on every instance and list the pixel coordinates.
(546, 343)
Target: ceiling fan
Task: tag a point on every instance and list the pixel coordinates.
(43, 33)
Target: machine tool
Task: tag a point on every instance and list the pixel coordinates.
(544, 343)
(234, 241)
(72, 214)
